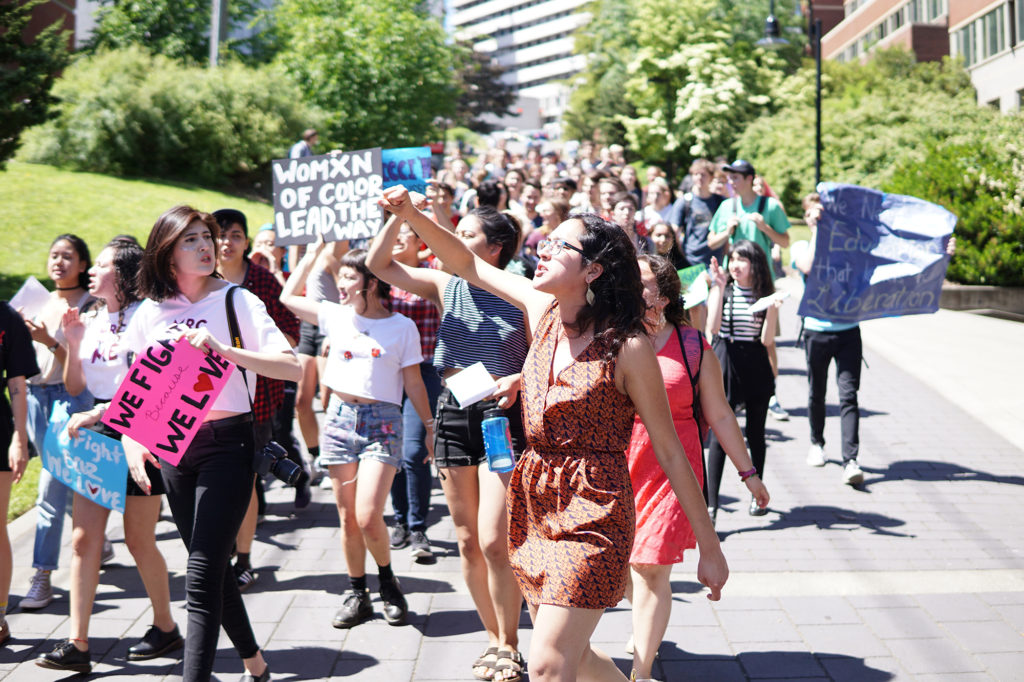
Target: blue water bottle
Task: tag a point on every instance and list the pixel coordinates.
(497, 441)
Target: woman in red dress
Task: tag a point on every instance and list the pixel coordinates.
(662, 529)
(590, 369)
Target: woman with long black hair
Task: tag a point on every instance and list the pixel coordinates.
(209, 490)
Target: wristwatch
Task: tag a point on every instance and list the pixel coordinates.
(54, 347)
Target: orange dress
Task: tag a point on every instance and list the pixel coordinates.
(570, 504)
(662, 530)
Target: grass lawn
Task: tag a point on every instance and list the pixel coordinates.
(23, 493)
(40, 202)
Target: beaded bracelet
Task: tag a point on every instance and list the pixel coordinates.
(744, 475)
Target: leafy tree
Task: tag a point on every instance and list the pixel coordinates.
(481, 90)
(596, 105)
(27, 71)
(379, 69)
(128, 112)
(179, 29)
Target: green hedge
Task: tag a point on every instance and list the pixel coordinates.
(127, 112)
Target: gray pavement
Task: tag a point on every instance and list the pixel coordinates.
(916, 575)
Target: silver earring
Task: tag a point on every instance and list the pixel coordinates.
(590, 295)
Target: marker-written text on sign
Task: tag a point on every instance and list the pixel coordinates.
(168, 392)
(333, 194)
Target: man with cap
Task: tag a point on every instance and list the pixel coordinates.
(762, 220)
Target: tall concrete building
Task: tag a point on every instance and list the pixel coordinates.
(532, 40)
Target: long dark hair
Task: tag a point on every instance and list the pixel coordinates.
(356, 259)
(500, 229)
(617, 312)
(82, 249)
(760, 273)
(669, 286)
(156, 280)
(126, 261)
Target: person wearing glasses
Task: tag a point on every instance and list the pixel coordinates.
(590, 370)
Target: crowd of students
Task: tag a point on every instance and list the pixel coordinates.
(558, 275)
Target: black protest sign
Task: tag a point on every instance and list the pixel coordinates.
(333, 194)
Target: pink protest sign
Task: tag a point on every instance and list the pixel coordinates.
(162, 402)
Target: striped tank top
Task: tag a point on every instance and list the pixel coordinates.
(737, 322)
(477, 326)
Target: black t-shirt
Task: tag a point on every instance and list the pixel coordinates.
(17, 359)
(693, 215)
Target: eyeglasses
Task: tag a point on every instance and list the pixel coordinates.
(555, 246)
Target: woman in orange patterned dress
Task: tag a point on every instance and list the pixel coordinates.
(590, 369)
(662, 531)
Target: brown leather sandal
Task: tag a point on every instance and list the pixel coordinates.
(513, 662)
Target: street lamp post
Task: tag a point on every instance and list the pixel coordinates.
(773, 39)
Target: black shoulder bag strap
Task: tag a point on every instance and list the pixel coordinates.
(697, 414)
(236, 341)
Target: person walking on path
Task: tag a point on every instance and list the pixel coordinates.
(96, 361)
(304, 147)
(663, 532)
(209, 490)
(17, 362)
(740, 341)
(476, 326)
(374, 358)
(590, 370)
(67, 265)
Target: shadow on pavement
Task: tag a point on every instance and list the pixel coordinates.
(675, 664)
(931, 471)
(825, 517)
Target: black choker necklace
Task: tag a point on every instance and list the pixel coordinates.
(69, 288)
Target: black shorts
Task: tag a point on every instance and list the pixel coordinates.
(310, 339)
(156, 481)
(458, 438)
(6, 438)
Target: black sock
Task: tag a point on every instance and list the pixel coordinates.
(358, 584)
(385, 574)
(242, 562)
(314, 451)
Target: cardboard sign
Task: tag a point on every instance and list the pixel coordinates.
(93, 465)
(876, 255)
(332, 194)
(168, 392)
(407, 166)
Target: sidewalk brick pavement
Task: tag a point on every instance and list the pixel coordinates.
(918, 574)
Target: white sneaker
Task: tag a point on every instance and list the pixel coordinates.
(40, 593)
(816, 456)
(852, 474)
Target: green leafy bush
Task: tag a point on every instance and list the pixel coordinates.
(126, 112)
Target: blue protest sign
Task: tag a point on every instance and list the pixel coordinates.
(93, 465)
(877, 255)
(407, 166)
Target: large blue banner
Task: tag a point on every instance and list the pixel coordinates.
(877, 255)
(407, 166)
(93, 465)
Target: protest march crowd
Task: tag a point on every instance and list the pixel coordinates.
(528, 305)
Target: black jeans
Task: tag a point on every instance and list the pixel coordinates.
(208, 493)
(753, 428)
(845, 348)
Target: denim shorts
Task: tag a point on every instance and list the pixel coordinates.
(355, 431)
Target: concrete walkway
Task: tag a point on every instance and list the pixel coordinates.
(916, 575)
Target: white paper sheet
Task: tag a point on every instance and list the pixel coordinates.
(471, 385)
(31, 297)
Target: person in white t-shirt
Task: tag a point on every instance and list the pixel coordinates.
(209, 490)
(374, 355)
(96, 361)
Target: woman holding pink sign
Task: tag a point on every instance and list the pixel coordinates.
(96, 361)
(209, 488)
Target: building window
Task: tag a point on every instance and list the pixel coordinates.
(1018, 11)
(993, 103)
(1020, 99)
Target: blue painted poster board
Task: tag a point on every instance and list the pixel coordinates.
(407, 166)
(93, 466)
(876, 255)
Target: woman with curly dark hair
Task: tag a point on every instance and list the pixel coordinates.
(589, 372)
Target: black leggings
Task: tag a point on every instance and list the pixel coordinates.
(753, 429)
(209, 493)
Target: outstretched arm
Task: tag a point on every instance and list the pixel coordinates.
(424, 282)
(463, 262)
(638, 373)
(304, 308)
